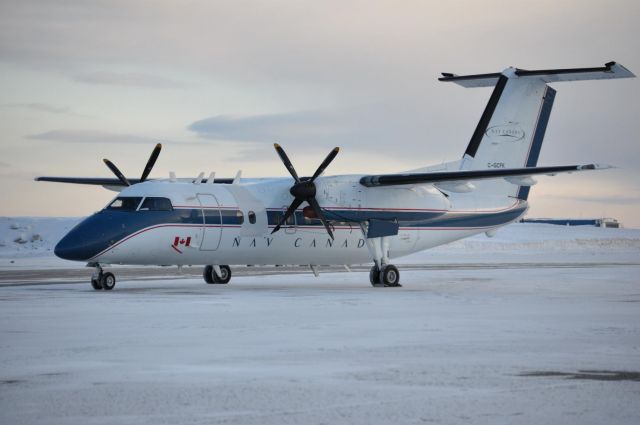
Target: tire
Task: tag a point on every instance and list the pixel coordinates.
(374, 276)
(95, 284)
(226, 275)
(108, 281)
(207, 273)
(390, 276)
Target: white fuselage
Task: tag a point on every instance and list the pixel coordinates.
(426, 218)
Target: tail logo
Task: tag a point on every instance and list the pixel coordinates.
(509, 132)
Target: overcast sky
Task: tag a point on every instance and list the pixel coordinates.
(218, 82)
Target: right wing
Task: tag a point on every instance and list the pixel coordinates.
(464, 176)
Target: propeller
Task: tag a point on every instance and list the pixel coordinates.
(145, 173)
(304, 190)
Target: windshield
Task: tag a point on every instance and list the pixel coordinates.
(124, 203)
(156, 204)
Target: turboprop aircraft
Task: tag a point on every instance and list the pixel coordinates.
(341, 219)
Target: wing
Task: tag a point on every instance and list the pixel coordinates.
(96, 181)
(510, 174)
(110, 183)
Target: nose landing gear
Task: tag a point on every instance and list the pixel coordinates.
(101, 280)
(217, 274)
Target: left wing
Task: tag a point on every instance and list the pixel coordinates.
(463, 176)
(97, 181)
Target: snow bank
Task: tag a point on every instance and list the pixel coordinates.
(28, 241)
(538, 243)
(25, 241)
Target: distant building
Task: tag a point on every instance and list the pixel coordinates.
(597, 222)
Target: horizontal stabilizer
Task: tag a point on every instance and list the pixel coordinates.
(461, 176)
(609, 70)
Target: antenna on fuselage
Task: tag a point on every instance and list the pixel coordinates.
(236, 179)
(198, 179)
(211, 178)
(172, 176)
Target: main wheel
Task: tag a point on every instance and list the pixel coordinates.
(390, 276)
(207, 273)
(374, 276)
(225, 275)
(108, 281)
(95, 284)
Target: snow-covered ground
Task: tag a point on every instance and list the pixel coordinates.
(451, 346)
(29, 241)
(540, 324)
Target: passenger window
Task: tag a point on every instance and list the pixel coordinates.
(156, 204)
(232, 217)
(311, 221)
(291, 221)
(252, 217)
(212, 216)
(124, 203)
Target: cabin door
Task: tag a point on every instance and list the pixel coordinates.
(212, 230)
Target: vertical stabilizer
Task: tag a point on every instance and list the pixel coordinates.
(511, 129)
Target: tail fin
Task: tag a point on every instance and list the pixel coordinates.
(512, 127)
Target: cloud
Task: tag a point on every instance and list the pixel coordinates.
(613, 199)
(4, 165)
(306, 125)
(44, 107)
(372, 128)
(91, 136)
(129, 79)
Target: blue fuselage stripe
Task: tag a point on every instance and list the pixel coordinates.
(100, 231)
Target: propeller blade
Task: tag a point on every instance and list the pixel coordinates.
(316, 208)
(325, 163)
(117, 172)
(294, 205)
(151, 162)
(287, 162)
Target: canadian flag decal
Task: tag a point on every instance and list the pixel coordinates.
(178, 241)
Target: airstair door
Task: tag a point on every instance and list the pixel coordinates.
(212, 222)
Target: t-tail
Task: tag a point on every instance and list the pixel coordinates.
(512, 127)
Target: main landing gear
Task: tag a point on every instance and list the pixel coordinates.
(382, 273)
(389, 276)
(101, 280)
(217, 274)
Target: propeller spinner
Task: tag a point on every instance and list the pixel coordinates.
(304, 190)
(145, 173)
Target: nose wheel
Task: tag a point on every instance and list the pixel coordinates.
(217, 274)
(101, 280)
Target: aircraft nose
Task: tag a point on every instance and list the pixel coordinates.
(69, 249)
(84, 241)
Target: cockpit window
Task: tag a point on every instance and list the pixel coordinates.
(124, 203)
(156, 204)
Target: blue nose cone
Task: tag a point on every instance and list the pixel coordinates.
(68, 250)
(73, 246)
(89, 238)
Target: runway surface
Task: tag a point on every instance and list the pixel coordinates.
(25, 277)
(512, 343)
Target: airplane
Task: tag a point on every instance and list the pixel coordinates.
(332, 220)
